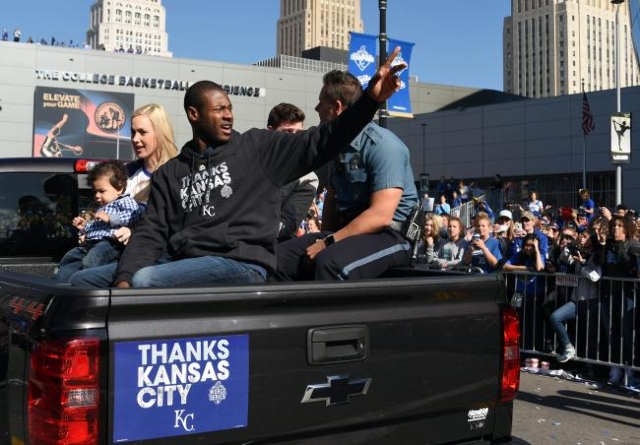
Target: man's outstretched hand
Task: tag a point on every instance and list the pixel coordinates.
(386, 82)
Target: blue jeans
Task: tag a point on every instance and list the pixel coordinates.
(98, 277)
(202, 271)
(565, 312)
(86, 257)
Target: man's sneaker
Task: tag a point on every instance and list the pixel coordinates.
(633, 389)
(568, 354)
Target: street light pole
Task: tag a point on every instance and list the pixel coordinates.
(424, 149)
(618, 106)
(382, 39)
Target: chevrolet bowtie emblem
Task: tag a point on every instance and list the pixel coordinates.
(338, 390)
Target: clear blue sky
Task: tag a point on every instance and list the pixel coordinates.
(457, 42)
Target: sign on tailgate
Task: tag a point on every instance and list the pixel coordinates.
(184, 386)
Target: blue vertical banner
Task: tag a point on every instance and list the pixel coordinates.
(400, 103)
(362, 57)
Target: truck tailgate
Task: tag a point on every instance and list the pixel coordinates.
(418, 359)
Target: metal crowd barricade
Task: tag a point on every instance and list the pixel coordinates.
(495, 199)
(464, 212)
(606, 329)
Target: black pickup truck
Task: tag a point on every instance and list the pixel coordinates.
(415, 357)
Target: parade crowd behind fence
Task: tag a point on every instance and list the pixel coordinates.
(598, 316)
(571, 270)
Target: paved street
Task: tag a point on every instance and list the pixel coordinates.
(553, 410)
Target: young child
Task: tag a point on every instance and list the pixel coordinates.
(98, 245)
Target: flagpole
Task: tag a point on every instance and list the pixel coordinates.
(584, 142)
(584, 161)
(587, 127)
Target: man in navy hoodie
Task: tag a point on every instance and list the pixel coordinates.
(213, 211)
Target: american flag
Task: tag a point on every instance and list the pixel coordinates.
(587, 117)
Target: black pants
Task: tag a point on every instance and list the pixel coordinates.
(355, 257)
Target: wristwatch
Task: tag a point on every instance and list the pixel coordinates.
(329, 240)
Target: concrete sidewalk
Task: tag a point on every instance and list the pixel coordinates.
(556, 410)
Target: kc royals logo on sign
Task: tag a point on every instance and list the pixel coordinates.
(176, 387)
(397, 61)
(362, 58)
(400, 103)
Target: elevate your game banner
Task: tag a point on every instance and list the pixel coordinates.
(71, 123)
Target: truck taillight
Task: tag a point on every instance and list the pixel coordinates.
(64, 392)
(510, 378)
(85, 165)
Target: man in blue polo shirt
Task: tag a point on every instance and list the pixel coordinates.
(370, 195)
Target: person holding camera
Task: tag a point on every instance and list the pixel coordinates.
(574, 259)
(484, 250)
(562, 256)
(528, 225)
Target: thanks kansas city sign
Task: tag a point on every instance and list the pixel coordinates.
(153, 83)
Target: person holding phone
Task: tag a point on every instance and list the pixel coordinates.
(528, 222)
(484, 250)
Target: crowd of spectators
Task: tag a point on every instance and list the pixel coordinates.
(312, 222)
(597, 245)
(16, 37)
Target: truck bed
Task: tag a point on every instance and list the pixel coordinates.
(415, 357)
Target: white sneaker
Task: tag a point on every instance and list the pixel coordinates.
(568, 354)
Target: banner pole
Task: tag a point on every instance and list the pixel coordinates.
(382, 5)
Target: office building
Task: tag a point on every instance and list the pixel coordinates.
(306, 24)
(134, 26)
(550, 47)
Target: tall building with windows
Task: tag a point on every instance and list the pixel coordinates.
(137, 26)
(306, 24)
(551, 46)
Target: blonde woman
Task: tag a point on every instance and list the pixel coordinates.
(153, 145)
(430, 236)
